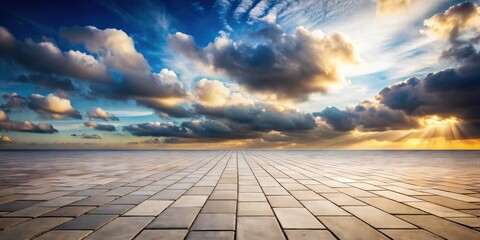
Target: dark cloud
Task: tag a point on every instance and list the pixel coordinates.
(452, 91)
(86, 136)
(14, 101)
(367, 116)
(164, 108)
(261, 117)
(44, 57)
(289, 66)
(157, 129)
(339, 120)
(50, 106)
(26, 126)
(49, 81)
(100, 127)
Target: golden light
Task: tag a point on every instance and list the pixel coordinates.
(436, 121)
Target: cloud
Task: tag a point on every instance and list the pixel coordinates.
(114, 52)
(367, 116)
(115, 47)
(166, 107)
(100, 127)
(452, 91)
(14, 101)
(3, 116)
(215, 100)
(101, 114)
(52, 106)
(49, 81)
(157, 129)
(289, 66)
(86, 136)
(44, 57)
(26, 126)
(457, 20)
(227, 114)
(5, 140)
(392, 6)
(213, 93)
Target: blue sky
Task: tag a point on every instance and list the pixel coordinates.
(238, 73)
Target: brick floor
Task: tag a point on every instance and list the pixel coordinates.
(235, 195)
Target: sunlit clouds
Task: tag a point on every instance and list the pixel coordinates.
(384, 74)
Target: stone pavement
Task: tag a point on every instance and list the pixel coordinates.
(235, 195)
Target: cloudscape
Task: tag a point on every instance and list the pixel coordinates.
(365, 74)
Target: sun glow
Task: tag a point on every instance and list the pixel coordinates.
(436, 121)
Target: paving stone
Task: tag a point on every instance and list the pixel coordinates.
(94, 201)
(377, 218)
(175, 217)
(254, 209)
(17, 205)
(87, 222)
(275, 191)
(168, 195)
(9, 222)
(68, 211)
(224, 195)
(410, 234)
(438, 210)
(442, 227)
(351, 228)
(473, 222)
(162, 235)
(342, 199)
(449, 202)
(130, 199)
(390, 206)
(190, 201)
(309, 235)
(251, 228)
(149, 208)
(61, 201)
(220, 206)
(199, 191)
(33, 211)
(306, 195)
(283, 201)
(111, 209)
(324, 208)
(221, 221)
(64, 235)
(31, 228)
(297, 218)
(207, 235)
(121, 228)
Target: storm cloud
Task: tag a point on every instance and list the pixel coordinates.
(99, 126)
(289, 66)
(49, 81)
(45, 57)
(367, 116)
(452, 91)
(26, 126)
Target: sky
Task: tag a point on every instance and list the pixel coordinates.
(240, 74)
